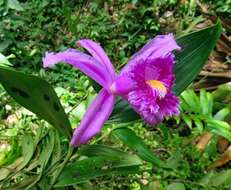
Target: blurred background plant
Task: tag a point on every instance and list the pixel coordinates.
(197, 143)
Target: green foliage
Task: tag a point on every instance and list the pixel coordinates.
(217, 179)
(100, 161)
(201, 112)
(9, 151)
(4, 60)
(222, 95)
(176, 186)
(141, 158)
(121, 30)
(129, 138)
(14, 4)
(41, 156)
(196, 47)
(221, 7)
(32, 27)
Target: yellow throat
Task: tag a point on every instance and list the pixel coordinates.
(158, 85)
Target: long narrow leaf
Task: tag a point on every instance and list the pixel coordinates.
(197, 47)
(124, 159)
(92, 167)
(129, 138)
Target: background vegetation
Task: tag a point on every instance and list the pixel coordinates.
(193, 147)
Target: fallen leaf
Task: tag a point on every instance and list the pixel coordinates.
(224, 159)
(204, 140)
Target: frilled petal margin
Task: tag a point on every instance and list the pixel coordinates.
(85, 63)
(94, 119)
(99, 54)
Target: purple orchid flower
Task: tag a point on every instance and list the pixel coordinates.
(145, 82)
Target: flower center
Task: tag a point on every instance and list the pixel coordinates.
(157, 85)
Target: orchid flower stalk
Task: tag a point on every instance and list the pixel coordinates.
(145, 82)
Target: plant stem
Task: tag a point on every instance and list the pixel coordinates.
(62, 165)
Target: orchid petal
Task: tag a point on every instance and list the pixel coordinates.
(169, 106)
(96, 115)
(123, 85)
(158, 47)
(98, 53)
(85, 63)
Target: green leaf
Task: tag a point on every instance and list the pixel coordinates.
(27, 150)
(5, 43)
(83, 170)
(190, 99)
(219, 127)
(101, 161)
(176, 186)
(23, 184)
(4, 61)
(6, 171)
(40, 134)
(151, 186)
(187, 120)
(164, 130)
(175, 160)
(129, 138)
(223, 93)
(47, 146)
(57, 150)
(217, 179)
(124, 158)
(198, 123)
(14, 4)
(197, 47)
(206, 103)
(123, 112)
(37, 96)
(222, 114)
